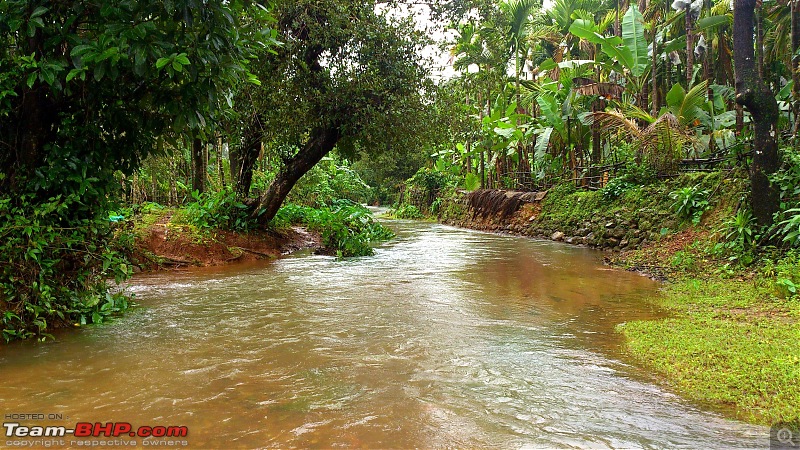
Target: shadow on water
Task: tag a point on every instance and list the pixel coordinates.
(446, 338)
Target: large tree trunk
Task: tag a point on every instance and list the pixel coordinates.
(247, 157)
(198, 166)
(322, 141)
(753, 94)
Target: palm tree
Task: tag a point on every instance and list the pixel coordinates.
(659, 140)
(518, 14)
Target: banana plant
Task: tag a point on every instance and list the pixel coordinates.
(629, 52)
(506, 129)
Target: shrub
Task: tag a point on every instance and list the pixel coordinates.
(616, 188)
(347, 228)
(690, 202)
(217, 210)
(789, 229)
(406, 211)
(54, 268)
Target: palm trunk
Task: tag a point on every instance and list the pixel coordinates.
(220, 165)
(689, 51)
(483, 158)
(654, 77)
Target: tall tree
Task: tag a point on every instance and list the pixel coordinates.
(753, 94)
(99, 81)
(347, 76)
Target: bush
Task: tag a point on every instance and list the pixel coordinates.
(690, 202)
(54, 266)
(789, 229)
(217, 210)
(431, 181)
(406, 211)
(788, 178)
(347, 228)
(329, 181)
(616, 188)
(740, 235)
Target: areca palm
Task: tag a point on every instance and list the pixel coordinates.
(518, 14)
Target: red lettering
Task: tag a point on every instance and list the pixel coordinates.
(144, 431)
(105, 430)
(122, 428)
(83, 429)
(177, 431)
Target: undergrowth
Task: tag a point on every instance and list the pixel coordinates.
(347, 228)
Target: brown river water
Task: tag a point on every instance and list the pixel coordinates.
(445, 338)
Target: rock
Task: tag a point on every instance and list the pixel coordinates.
(624, 243)
(582, 232)
(645, 225)
(618, 233)
(612, 242)
(635, 241)
(611, 224)
(557, 236)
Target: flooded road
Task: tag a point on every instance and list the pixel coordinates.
(445, 338)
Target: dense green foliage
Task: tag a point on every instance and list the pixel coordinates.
(55, 275)
(347, 229)
(87, 90)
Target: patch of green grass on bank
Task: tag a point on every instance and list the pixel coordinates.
(731, 344)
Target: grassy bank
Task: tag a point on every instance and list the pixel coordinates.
(728, 344)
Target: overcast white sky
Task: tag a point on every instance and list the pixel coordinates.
(442, 69)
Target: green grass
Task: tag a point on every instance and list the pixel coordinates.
(729, 344)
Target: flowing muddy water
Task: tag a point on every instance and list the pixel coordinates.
(446, 338)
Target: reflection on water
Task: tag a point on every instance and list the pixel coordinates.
(446, 338)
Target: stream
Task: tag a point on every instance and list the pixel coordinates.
(445, 338)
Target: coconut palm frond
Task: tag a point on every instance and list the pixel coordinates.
(614, 122)
(663, 141)
(607, 90)
(688, 106)
(722, 7)
(634, 112)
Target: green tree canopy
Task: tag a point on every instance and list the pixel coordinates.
(347, 76)
(95, 83)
